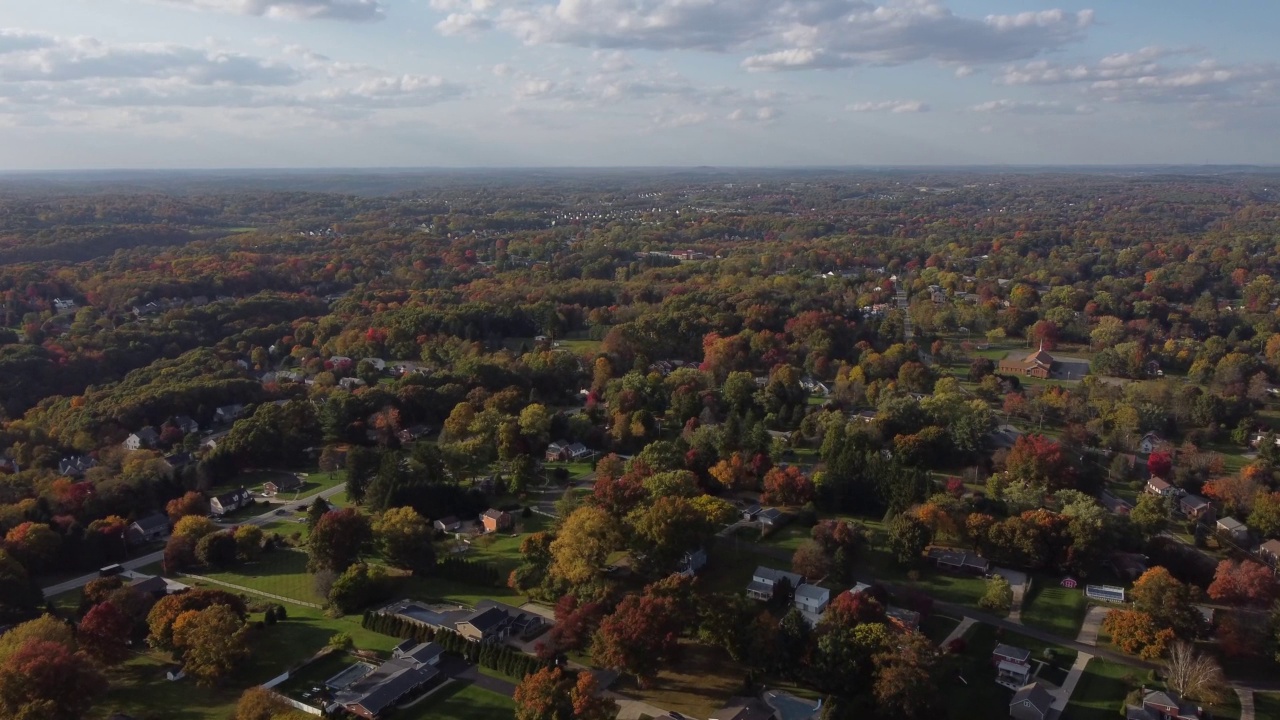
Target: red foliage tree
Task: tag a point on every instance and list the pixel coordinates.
(640, 637)
(621, 496)
(47, 676)
(575, 623)
(787, 487)
(851, 609)
(1159, 464)
(1243, 583)
(104, 633)
(1038, 459)
(192, 503)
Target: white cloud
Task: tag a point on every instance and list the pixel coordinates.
(889, 106)
(612, 62)
(463, 23)
(1032, 107)
(766, 114)
(85, 58)
(348, 10)
(670, 122)
(776, 35)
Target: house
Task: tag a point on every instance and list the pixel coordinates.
(1270, 551)
(1195, 507)
(764, 579)
(1012, 664)
(1152, 442)
(745, 708)
(149, 528)
(211, 442)
(284, 484)
(814, 387)
(447, 524)
(1233, 528)
(186, 424)
(866, 416)
(147, 437)
(1158, 486)
(74, 466)
(228, 413)
(488, 625)
(229, 501)
(427, 653)
(376, 693)
(156, 586)
(351, 384)
(1031, 702)
(496, 520)
(905, 619)
(557, 452)
(691, 562)
(1038, 364)
(63, 305)
(812, 602)
(751, 512)
(772, 517)
(959, 561)
(1162, 705)
(174, 673)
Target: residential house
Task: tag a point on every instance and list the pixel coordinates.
(1270, 551)
(764, 579)
(1162, 705)
(905, 619)
(1012, 664)
(173, 673)
(814, 387)
(489, 625)
(959, 561)
(1152, 442)
(812, 601)
(156, 587)
(412, 433)
(211, 442)
(427, 653)
(496, 520)
(745, 708)
(1128, 566)
(691, 562)
(288, 483)
(379, 691)
(74, 466)
(145, 438)
(228, 413)
(557, 451)
(1038, 364)
(1031, 702)
(351, 384)
(751, 512)
(772, 517)
(1234, 529)
(1161, 487)
(148, 528)
(186, 424)
(63, 305)
(866, 416)
(1004, 436)
(447, 524)
(229, 501)
(1195, 507)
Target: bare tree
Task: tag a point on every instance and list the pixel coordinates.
(1193, 675)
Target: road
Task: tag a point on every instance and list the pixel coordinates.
(135, 563)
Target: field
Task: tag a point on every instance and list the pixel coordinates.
(281, 572)
(460, 701)
(1266, 705)
(500, 549)
(1053, 608)
(1101, 691)
(696, 686)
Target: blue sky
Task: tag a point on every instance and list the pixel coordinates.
(359, 83)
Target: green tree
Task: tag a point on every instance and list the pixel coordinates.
(908, 538)
(404, 537)
(338, 539)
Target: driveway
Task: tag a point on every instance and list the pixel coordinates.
(1018, 584)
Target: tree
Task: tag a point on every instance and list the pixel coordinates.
(1159, 464)
(811, 561)
(217, 549)
(1137, 633)
(908, 538)
(907, 677)
(582, 544)
(248, 542)
(1167, 601)
(360, 585)
(1243, 583)
(1238, 493)
(194, 527)
(259, 703)
(540, 695)
(44, 680)
(19, 596)
(104, 633)
(316, 510)
(1265, 517)
(213, 642)
(191, 503)
(787, 487)
(404, 537)
(45, 628)
(588, 703)
(1039, 460)
(664, 531)
(179, 554)
(575, 623)
(338, 539)
(166, 611)
(640, 637)
(35, 545)
(1151, 515)
(998, 596)
(1194, 676)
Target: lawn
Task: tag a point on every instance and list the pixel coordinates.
(435, 588)
(983, 638)
(282, 572)
(697, 685)
(938, 627)
(1053, 608)
(1266, 705)
(500, 549)
(1102, 690)
(789, 537)
(461, 701)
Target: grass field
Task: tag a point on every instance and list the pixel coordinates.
(789, 537)
(1266, 705)
(281, 572)
(501, 549)
(1051, 607)
(1101, 691)
(697, 685)
(461, 701)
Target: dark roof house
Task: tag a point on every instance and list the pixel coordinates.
(1031, 702)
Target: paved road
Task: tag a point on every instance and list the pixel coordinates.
(135, 563)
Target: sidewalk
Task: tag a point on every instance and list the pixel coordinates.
(960, 630)
(1088, 636)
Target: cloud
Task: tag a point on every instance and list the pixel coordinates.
(889, 106)
(1032, 107)
(801, 35)
(764, 115)
(86, 58)
(1152, 75)
(612, 62)
(347, 10)
(463, 24)
(19, 40)
(671, 122)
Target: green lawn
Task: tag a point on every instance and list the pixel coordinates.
(1102, 690)
(1053, 608)
(281, 572)
(789, 537)
(1266, 705)
(501, 549)
(461, 701)
(983, 639)
(434, 588)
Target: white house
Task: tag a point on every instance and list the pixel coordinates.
(229, 501)
(228, 413)
(147, 437)
(763, 580)
(812, 601)
(1234, 529)
(1151, 442)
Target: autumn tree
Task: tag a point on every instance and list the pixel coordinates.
(1151, 515)
(1265, 517)
(45, 628)
(404, 537)
(104, 633)
(908, 538)
(1238, 493)
(194, 527)
(337, 540)
(1040, 460)
(166, 611)
(259, 703)
(249, 540)
(19, 596)
(191, 503)
(1243, 583)
(667, 529)
(35, 545)
(1137, 633)
(575, 623)
(907, 676)
(639, 638)
(788, 486)
(552, 694)
(1168, 601)
(213, 642)
(811, 561)
(1159, 464)
(45, 680)
(582, 544)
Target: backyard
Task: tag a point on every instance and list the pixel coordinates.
(1053, 608)
(281, 572)
(460, 701)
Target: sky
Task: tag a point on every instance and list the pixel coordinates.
(88, 84)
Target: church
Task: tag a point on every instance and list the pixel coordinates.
(1037, 365)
